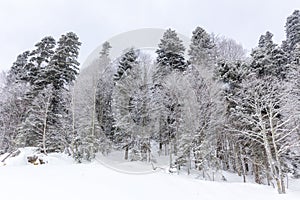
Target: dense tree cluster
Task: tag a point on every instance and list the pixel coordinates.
(216, 111)
(35, 100)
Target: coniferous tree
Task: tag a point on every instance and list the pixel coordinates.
(170, 54)
(292, 108)
(292, 29)
(34, 74)
(105, 50)
(63, 66)
(122, 97)
(230, 76)
(104, 92)
(201, 48)
(18, 72)
(127, 61)
(39, 61)
(132, 106)
(38, 120)
(295, 56)
(268, 58)
(170, 58)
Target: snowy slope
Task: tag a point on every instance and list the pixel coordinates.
(61, 178)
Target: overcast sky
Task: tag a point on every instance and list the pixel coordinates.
(24, 22)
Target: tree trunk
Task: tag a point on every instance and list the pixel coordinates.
(149, 150)
(126, 152)
(45, 124)
(278, 172)
(166, 149)
(189, 162)
(282, 184)
(256, 172)
(160, 146)
(243, 166)
(73, 149)
(170, 153)
(279, 189)
(94, 109)
(237, 165)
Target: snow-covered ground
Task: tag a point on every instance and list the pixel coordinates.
(61, 178)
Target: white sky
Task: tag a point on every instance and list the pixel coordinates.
(24, 22)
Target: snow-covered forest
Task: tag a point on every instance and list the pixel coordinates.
(216, 109)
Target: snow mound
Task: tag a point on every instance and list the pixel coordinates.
(20, 157)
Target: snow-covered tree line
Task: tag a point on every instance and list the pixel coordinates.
(215, 110)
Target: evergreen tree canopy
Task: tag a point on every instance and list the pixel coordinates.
(295, 56)
(64, 65)
(292, 29)
(268, 58)
(128, 60)
(105, 49)
(231, 74)
(200, 51)
(18, 70)
(44, 50)
(170, 53)
(38, 66)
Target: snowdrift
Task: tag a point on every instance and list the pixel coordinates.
(62, 178)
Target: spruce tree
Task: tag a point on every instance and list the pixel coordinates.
(44, 51)
(170, 59)
(268, 59)
(201, 48)
(61, 73)
(63, 66)
(170, 54)
(104, 92)
(295, 56)
(123, 94)
(105, 49)
(18, 72)
(40, 58)
(128, 60)
(292, 29)
(132, 107)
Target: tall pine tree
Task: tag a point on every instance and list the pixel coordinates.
(170, 54)
(201, 48)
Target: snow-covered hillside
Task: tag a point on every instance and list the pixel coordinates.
(61, 178)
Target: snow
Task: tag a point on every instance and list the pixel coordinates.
(61, 178)
(21, 159)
